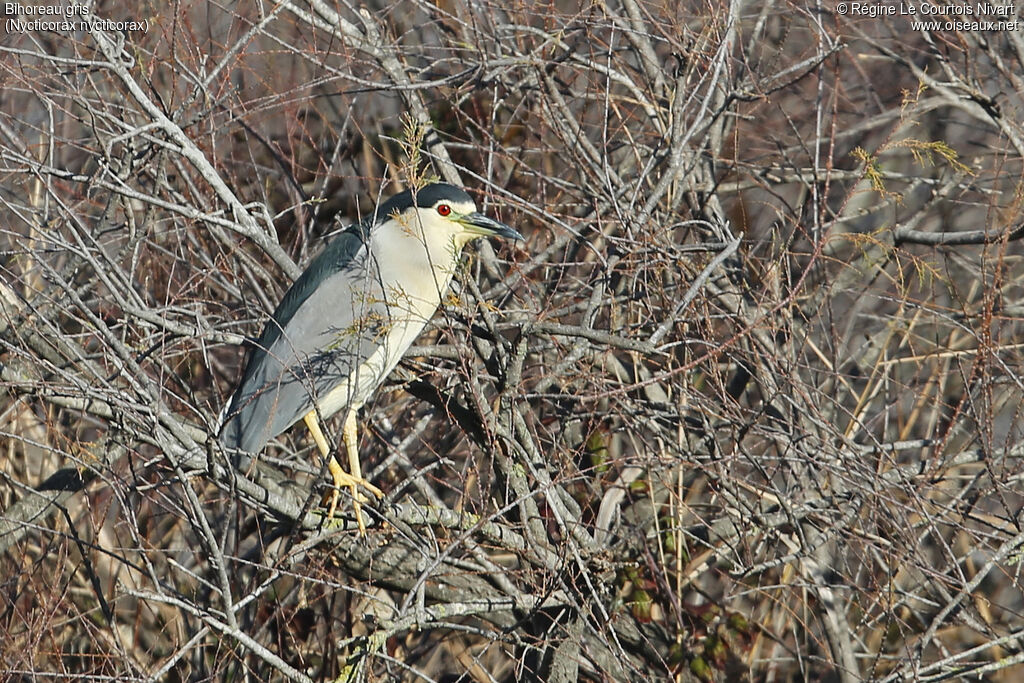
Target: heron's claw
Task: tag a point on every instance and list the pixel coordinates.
(343, 478)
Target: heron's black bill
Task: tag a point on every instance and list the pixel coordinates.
(488, 227)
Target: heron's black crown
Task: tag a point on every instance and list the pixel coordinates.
(424, 198)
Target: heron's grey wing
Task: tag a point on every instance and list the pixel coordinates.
(344, 252)
(322, 326)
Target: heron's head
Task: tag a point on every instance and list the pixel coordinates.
(443, 211)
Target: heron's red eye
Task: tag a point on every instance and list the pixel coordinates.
(444, 209)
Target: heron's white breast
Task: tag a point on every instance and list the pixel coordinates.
(413, 264)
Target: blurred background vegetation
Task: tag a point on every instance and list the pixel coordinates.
(746, 404)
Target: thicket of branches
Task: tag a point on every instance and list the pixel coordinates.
(745, 404)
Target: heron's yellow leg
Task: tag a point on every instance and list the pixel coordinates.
(351, 436)
(349, 432)
(340, 476)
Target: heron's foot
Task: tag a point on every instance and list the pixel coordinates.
(343, 478)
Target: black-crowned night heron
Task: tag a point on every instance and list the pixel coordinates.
(345, 323)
